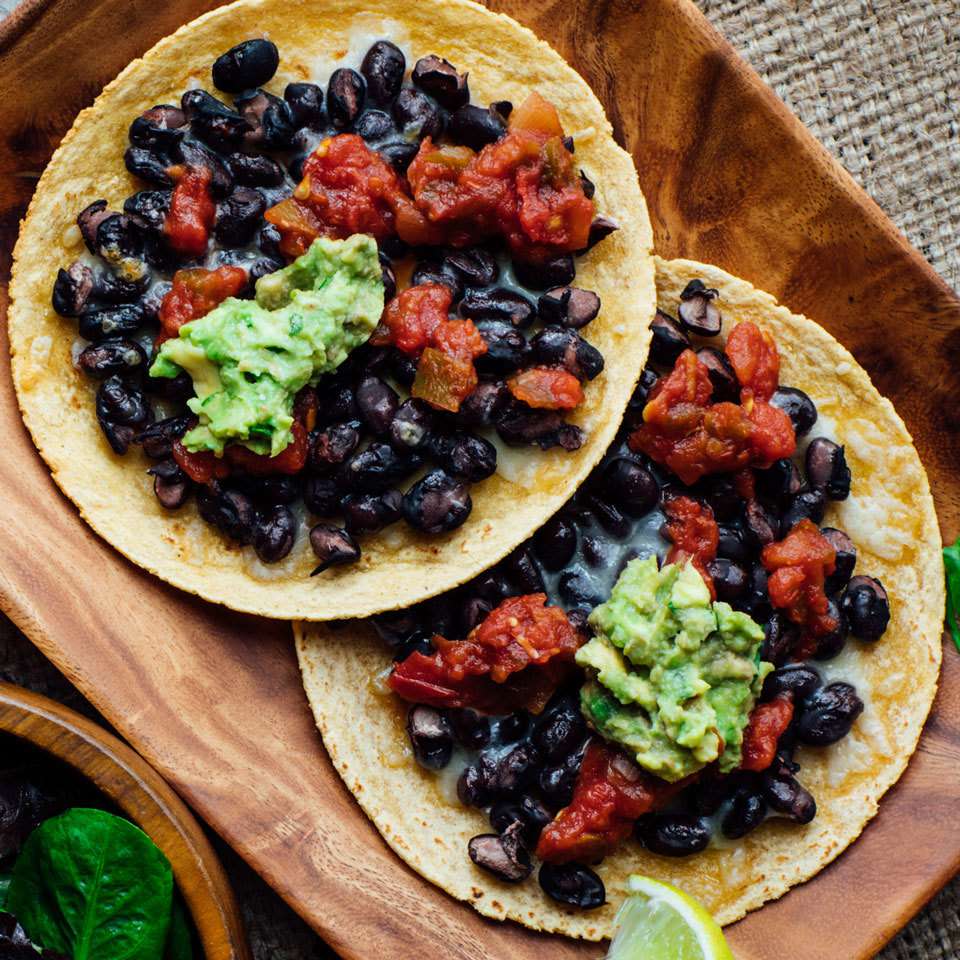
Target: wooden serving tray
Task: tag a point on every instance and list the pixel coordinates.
(213, 699)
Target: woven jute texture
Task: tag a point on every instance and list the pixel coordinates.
(878, 82)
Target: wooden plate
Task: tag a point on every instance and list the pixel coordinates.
(213, 699)
(142, 795)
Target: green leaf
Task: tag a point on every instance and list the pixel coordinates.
(94, 887)
(951, 561)
(180, 936)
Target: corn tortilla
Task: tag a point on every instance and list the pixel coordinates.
(398, 567)
(889, 516)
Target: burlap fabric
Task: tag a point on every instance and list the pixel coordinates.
(878, 82)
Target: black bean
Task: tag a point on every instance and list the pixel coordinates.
(558, 272)
(806, 505)
(800, 679)
(475, 126)
(779, 483)
(331, 447)
(158, 438)
(780, 636)
(239, 217)
(431, 271)
(587, 185)
(577, 588)
(120, 403)
(374, 125)
(471, 457)
(798, 407)
(726, 387)
(110, 288)
(378, 403)
(383, 67)
(228, 510)
(398, 627)
(270, 119)
(483, 407)
(213, 122)
(729, 579)
(516, 770)
(846, 559)
(474, 612)
(473, 785)
(376, 468)
(523, 571)
(757, 598)
(439, 78)
(610, 517)
(412, 424)
(503, 856)
(475, 266)
(555, 543)
(71, 290)
(268, 491)
(830, 644)
(333, 546)
(431, 737)
(827, 468)
(674, 834)
(731, 543)
(119, 241)
(306, 104)
(195, 154)
(322, 495)
(371, 512)
(399, 154)
(248, 64)
(528, 812)
(498, 304)
(274, 533)
(177, 389)
(560, 729)
(89, 220)
(437, 503)
(557, 346)
(600, 229)
(158, 127)
(338, 404)
(514, 726)
(519, 426)
(760, 525)
(507, 348)
(569, 307)
(345, 97)
(697, 311)
(572, 883)
(149, 165)
(630, 486)
(669, 339)
(829, 714)
(719, 492)
(255, 170)
(108, 357)
(789, 798)
(746, 813)
(171, 486)
(471, 729)
(866, 608)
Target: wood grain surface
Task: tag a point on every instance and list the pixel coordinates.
(138, 790)
(213, 700)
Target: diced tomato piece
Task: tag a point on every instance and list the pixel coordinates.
(610, 795)
(201, 466)
(772, 437)
(546, 388)
(459, 338)
(798, 567)
(767, 724)
(291, 459)
(413, 315)
(194, 294)
(298, 226)
(192, 211)
(694, 534)
(443, 381)
(755, 360)
(538, 116)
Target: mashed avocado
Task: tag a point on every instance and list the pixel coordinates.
(674, 676)
(249, 358)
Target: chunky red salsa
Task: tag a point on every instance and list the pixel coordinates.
(521, 632)
(694, 533)
(767, 724)
(194, 294)
(192, 211)
(610, 795)
(546, 388)
(694, 437)
(798, 566)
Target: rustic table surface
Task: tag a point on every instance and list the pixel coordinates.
(878, 82)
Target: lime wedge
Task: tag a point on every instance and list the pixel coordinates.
(660, 922)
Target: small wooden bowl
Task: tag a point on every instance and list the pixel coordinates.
(139, 791)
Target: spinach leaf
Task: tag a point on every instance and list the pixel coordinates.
(180, 937)
(951, 560)
(93, 886)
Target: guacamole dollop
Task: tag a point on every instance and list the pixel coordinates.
(249, 358)
(674, 676)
